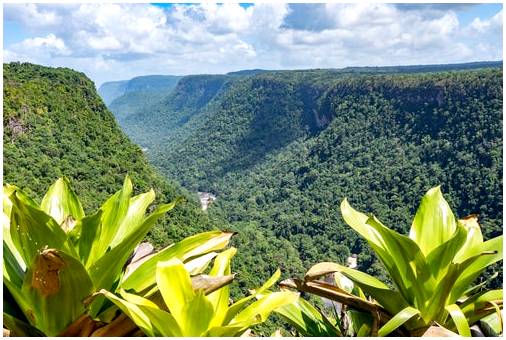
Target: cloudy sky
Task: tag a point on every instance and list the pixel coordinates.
(120, 41)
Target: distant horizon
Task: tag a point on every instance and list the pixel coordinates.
(275, 70)
(210, 38)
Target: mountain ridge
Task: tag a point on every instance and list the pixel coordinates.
(281, 149)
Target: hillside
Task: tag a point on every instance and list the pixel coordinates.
(111, 91)
(282, 149)
(157, 117)
(55, 124)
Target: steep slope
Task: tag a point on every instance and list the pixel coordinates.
(112, 90)
(155, 117)
(390, 139)
(148, 85)
(282, 149)
(55, 124)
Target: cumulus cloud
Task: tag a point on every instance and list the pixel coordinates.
(119, 41)
(31, 15)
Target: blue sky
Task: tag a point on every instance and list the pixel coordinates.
(120, 41)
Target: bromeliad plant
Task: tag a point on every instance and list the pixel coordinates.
(432, 269)
(55, 257)
(184, 309)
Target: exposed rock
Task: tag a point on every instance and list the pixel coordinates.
(206, 198)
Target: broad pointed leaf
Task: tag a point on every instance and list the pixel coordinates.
(141, 279)
(152, 321)
(175, 286)
(114, 211)
(199, 264)
(134, 216)
(106, 271)
(56, 285)
(440, 257)
(85, 234)
(220, 298)
(197, 315)
(61, 201)
(259, 310)
(480, 305)
(494, 247)
(32, 230)
(434, 221)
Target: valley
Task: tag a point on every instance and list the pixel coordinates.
(269, 156)
(281, 149)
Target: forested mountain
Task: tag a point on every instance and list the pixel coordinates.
(110, 91)
(282, 149)
(150, 118)
(55, 124)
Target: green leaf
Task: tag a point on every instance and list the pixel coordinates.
(307, 320)
(471, 273)
(358, 222)
(230, 330)
(106, 270)
(197, 315)
(18, 327)
(61, 201)
(391, 300)
(480, 305)
(259, 310)
(195, 245)
(459, 319)
(492, 324)
(238, 305)
(400, 255)
(199, 264)
(175, 286)
(152, 321)
(56, 285)
(85, 234)
(163, 322)
(6, 224)
(442, 256)
(134, 216)
(32, 230)
(11, 269)
(434, 221)
(398, 320)
(21, 300)
(474, 236)
(361, 323)
(113, 212)
(220, 298)
(434, 307)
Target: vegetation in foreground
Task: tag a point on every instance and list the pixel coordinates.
(62, 269)
(433, 271)
(59, 264)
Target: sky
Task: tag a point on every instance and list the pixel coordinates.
(120, 41)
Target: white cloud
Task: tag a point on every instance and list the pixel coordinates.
(118, 41)
(31, 49)
(482, 26)
(31, 15)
